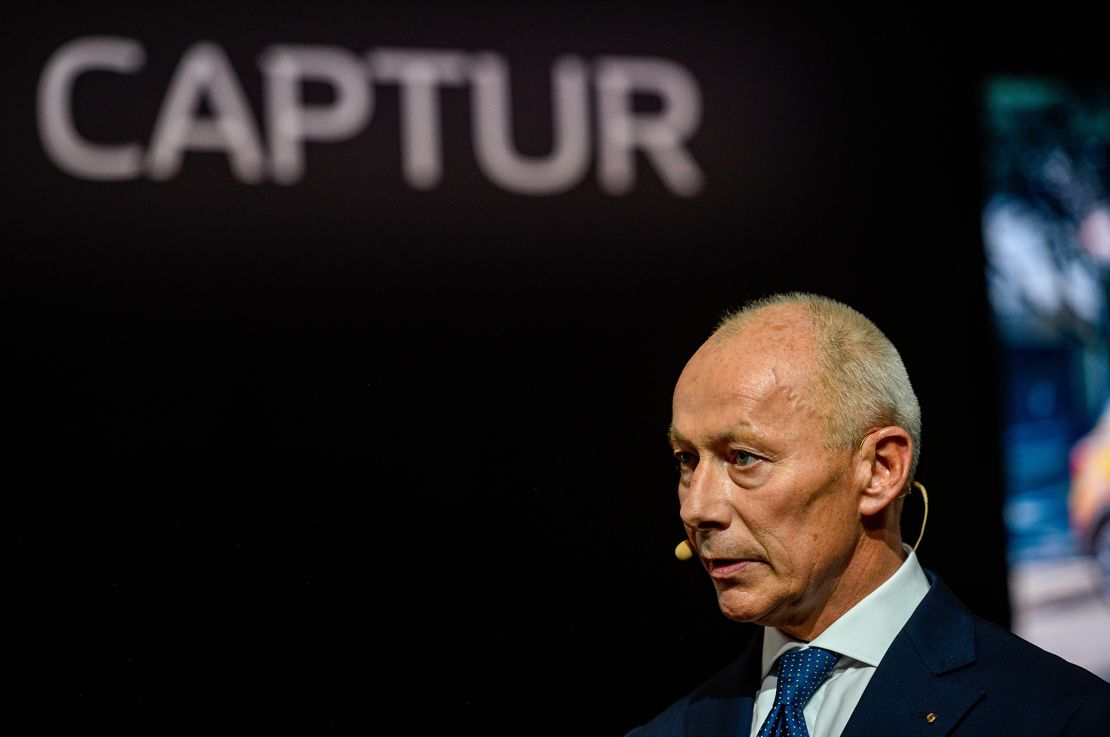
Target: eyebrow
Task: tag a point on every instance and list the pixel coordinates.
(741, 430)
(674, 437)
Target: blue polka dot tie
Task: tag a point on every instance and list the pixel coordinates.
(800, 673)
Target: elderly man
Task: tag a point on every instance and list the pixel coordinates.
(796, 433)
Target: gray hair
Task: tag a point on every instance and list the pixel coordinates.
(861, 376)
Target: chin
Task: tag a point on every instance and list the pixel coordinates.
(740, 606)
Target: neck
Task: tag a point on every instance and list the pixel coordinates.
(874, 560)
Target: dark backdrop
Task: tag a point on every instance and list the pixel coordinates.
(312, 456)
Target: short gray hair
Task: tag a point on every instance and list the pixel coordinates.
(861, 376)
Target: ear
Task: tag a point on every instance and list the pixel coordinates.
(885, 456)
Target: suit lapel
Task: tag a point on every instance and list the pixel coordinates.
(723, 706)
(909, 695)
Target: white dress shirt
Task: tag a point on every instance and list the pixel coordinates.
(861, 636)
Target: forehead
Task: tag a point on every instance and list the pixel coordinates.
(759, 379)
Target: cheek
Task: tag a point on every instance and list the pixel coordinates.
(798, 538)
(778, 540)
(830, 532)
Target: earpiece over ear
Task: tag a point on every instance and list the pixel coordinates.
(925, 515)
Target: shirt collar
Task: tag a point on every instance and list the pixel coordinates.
(865, 631)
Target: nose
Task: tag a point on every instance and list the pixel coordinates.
(704, 497)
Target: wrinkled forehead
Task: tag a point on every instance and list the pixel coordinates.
(776, 348)
(764, 371)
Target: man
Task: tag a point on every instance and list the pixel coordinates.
(796, 432)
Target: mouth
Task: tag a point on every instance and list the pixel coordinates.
(725, 567)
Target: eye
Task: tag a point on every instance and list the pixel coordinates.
(684, 464)
(743, 458)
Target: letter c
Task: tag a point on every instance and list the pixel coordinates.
(62, 143)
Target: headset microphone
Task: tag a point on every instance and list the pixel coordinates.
(683, 551)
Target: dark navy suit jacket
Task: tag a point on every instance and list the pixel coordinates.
(974, 677)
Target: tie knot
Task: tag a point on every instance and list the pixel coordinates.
(801, 672)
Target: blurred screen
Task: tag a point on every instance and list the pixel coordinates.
(1046, 232)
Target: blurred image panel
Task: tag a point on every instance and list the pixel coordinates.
(1046, 231)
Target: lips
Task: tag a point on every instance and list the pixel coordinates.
(725, 567)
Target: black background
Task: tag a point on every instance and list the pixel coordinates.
(328, 455)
